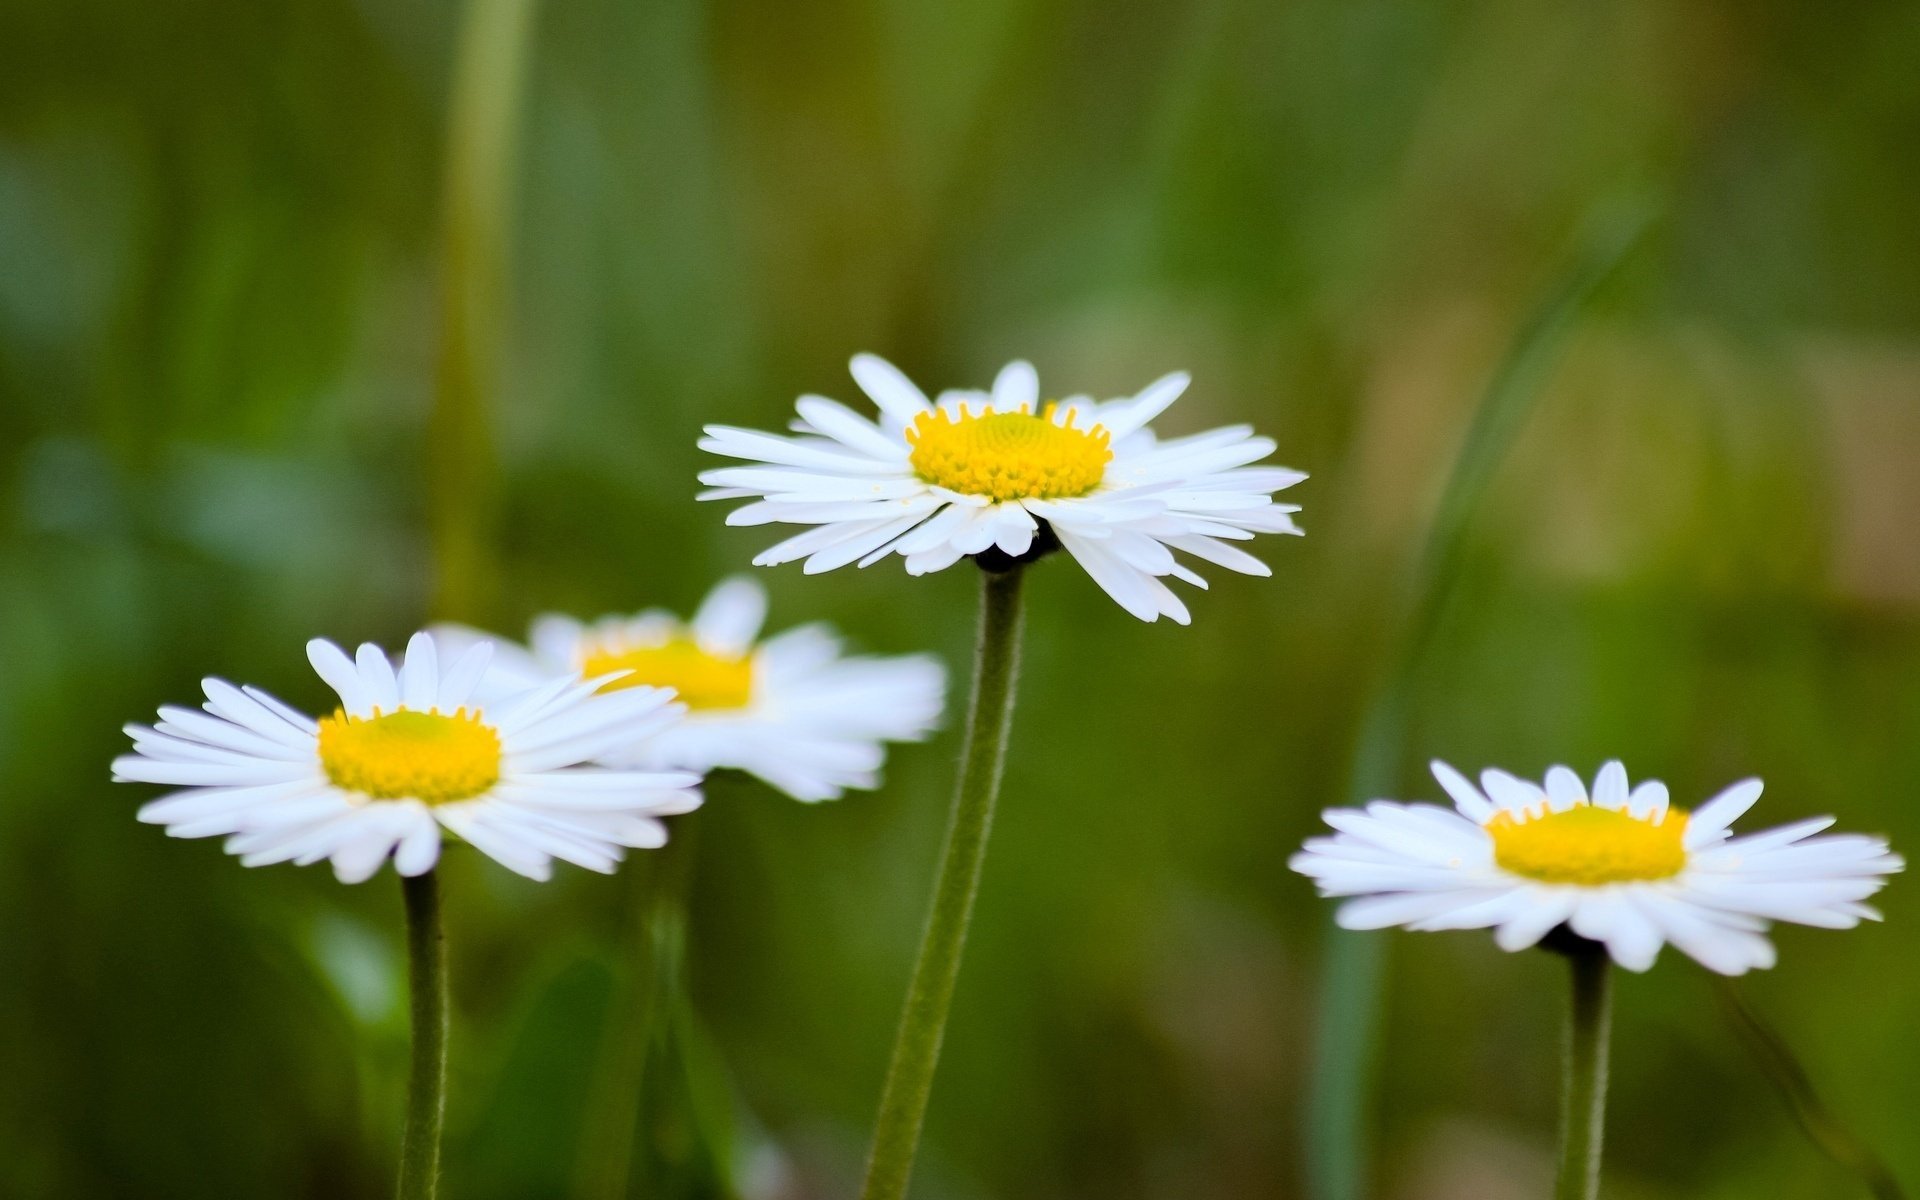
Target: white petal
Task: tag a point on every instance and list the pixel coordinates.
(1710, 821)
(1013, 529)
(1153, 400)
(1017, 386)
(861, 539)
(333, 666)
(419, 847)
(730, 617)
(1564, 789)
(1610, 786)
(462, 679)
(1545, 909)
(1467, 798)
(420, 673)
(231, 735)
(377, 678)
(1381, 912)
(259, 712)
(1511, 793)
(503, 849)
(1132, 589)
(891, 391)
(850, 429)
(357, 860)
(1648, 801)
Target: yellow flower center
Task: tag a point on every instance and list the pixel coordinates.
(411, 755)
(1008, 456)
(702, 680)
(1590, 846)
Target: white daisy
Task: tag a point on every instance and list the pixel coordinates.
(997, 474)
(1619, 867)
(792, 709)
(406, 756)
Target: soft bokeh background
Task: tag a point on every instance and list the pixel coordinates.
(221, 279)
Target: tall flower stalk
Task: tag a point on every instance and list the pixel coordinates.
(1583, 1113)
(1002, 477)
(1607, 874)
(427, 1071)
(923, 1022)
(409, 758)
(483, 126)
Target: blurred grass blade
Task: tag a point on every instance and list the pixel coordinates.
(482, 136)
(610, 1127)
(1354, 972)
(653, 1071)
(1782, 1069)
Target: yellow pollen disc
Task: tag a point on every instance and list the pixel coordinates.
(1589, 845)
(1008, 456)
(703, 680)
(411, 755)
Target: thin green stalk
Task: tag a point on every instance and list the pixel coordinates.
(482, 138)
(649, 991)
(427, 1073)
(916, 1047)
(1782, 1069)
(613, 1110)
(1584, 1106)
(1340, 1080)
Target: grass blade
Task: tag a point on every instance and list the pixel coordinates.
(482, 141)
(1354, 972)
(1782, 1069)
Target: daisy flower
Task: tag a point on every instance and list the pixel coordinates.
(1000, 475)
(410, 753)
(792, 709)
(1617, 866)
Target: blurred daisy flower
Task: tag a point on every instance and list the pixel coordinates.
(1619, 867)
(411, 752)
(792, 709)
(1001, 475)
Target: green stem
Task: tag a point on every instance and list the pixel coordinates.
(1584, 1111)
(916, 1047)
(427, 1075)
(1825, 1130)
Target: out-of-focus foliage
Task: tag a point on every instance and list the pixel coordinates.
(219, 252)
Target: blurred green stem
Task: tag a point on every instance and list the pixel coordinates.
(916, 1047)
(1584, 1105)
(650, 1004)
(482, 136)
(427, 1073)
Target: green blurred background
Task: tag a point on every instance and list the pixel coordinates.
(224, 263)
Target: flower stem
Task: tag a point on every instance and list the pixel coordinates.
(427, 1075)
(916, 1047)
(1584, 1111)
